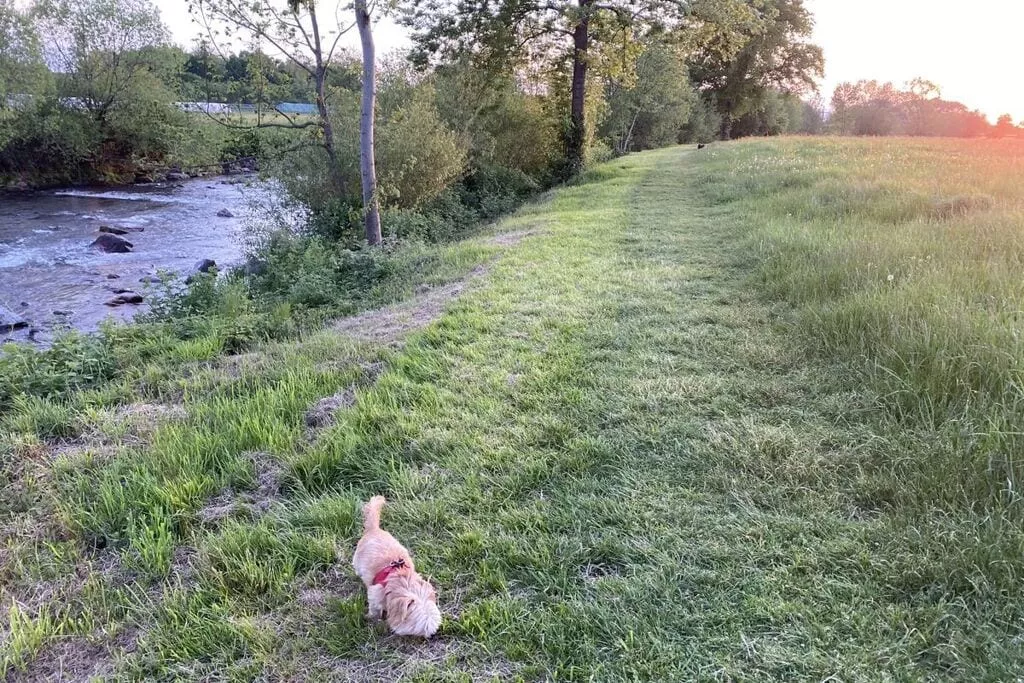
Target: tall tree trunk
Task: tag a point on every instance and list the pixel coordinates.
(367, 161)
(337, 179)
(576, 137)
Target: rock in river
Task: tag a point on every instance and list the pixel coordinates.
(225, 213)
(112, 244)
(10, 321)
(125, 298)
(121, 230)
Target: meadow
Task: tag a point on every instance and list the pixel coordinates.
(750, 412)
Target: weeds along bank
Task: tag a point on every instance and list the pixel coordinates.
(904, 257)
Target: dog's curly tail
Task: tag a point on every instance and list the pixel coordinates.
(371, 513)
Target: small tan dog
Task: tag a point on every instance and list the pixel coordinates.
(393, 588)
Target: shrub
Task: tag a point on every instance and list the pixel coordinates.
(417, 155)
(494, 190)
(311, 272)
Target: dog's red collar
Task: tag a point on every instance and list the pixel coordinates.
(381, 577)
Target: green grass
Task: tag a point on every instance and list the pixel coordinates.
(682, 431)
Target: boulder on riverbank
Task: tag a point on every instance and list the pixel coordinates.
(206, 265)
(112, 244)
(10, 321)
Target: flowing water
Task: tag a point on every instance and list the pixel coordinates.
(50, 277)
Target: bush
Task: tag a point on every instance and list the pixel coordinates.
(242, 145)
(48, 144)
(482, 196)
(417, 155)
(494, 190)
(599, 152)
(310, 272)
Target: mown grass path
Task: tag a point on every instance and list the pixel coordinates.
(624, 471)
(614, 464)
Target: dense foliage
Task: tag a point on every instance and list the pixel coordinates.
(98, 88)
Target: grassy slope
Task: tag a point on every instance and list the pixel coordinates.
(612, 459)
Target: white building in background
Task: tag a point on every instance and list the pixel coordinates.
(216, 108)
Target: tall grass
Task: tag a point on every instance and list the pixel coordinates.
(907, 258)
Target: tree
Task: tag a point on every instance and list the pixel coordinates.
(500, 124)
(775, 57)
(650, 107)
(1004, 127)
(508, 33)
(845, 99)
(813, 122)
(101, 47)
(22, 70)
(295, 30)
(367, 151)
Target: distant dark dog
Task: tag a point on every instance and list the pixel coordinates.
(701, 145)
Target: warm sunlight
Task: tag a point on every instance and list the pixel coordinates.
(972, 51)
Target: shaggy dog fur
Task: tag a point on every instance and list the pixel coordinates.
(393, 588)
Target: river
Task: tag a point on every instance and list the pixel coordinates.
(52, 278)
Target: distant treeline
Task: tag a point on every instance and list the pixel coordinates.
(873, 108)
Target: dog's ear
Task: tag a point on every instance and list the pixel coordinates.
(431, 593)
(398, 610)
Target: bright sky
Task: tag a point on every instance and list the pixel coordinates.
(387, 35)
(974, 51)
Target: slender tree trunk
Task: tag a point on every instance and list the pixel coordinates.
(628, 140)
(367, 152)
(337, 179)
(576, 138)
